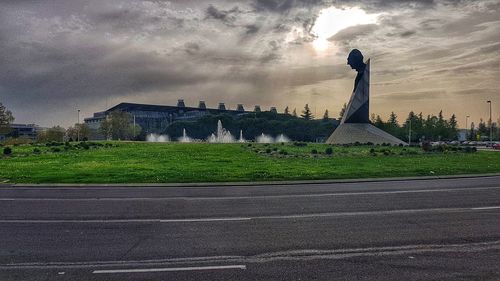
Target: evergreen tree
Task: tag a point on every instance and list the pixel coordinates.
(306, 113)
(342, 111)
(294, 114)
(453, 127)
(393, 119)
(287, 111)
(326, 116)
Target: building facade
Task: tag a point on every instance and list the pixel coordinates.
(154, 119)
(24, 131)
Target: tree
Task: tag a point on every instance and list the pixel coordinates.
(79, 132)
(326, 116)
(53, 134)
(306, 113)
(294, 114)
(6, 118)
(472, 133)
(118, 126)
(342, 111)
(287, 111)
(453, 127)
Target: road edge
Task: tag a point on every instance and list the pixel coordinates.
(242, 184)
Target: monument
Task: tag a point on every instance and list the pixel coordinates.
(355, 126)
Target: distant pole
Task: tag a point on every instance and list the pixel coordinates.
(491, 124)
(466, 126)
(78, 127)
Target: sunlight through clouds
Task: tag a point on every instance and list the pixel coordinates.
(332, 20)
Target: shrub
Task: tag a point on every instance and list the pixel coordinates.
(55, 149)
(275, 149)
(372, 150)
(268, 150)
(300, 144)
(7, 151)
(329, 151)
(36, 151)
(283, 152)
(314, 151)
(426, 146)
(387, 152)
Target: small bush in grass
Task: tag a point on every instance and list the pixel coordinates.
(283, 152)
(275, 149)
(268, 150)
(387, 152)
(7, 151)
(329, 151)
(36, 151)
(55, 149)
(300, 144)
(372, 150)
(426, 146)
(314, 151)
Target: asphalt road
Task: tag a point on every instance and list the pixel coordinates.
(446, 229)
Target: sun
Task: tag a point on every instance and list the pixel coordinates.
(332, 20)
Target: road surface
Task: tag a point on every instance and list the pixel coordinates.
(447, 229)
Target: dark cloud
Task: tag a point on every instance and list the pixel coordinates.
(59, 54)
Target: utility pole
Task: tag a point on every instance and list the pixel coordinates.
(78, 127)
(491, 125)
(466, 126)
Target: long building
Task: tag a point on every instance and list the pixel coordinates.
(156, 118)
(24, 131)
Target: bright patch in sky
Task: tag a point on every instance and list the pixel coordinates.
(332, 20)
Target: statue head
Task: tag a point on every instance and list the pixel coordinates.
(355, 60)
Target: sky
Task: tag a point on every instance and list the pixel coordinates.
(59, 56)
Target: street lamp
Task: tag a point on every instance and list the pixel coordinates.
(466, 126)
(78, 127)
(491, 124)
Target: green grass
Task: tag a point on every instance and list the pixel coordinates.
(130, 162)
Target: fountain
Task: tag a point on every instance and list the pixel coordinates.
(265, 139)
(223, 135)
(282, 138)
(185, 137)
(241, 137)
(157, 138)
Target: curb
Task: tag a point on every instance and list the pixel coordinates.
(242, 184)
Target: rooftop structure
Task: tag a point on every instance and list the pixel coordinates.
(155, 118)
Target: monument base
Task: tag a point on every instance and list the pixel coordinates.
(350, 133)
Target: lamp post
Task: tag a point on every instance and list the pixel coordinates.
(466, 126)
(491, 124)
(78, 127)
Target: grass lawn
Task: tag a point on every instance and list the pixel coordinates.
(134, 162)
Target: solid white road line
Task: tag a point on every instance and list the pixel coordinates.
(269, 217)
(486, 208)
(172, 269)
(252, 197)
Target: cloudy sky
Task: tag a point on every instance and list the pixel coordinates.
(57, 56)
